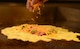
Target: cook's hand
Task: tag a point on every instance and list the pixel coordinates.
(35, 4)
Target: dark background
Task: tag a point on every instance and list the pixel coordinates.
(49, 1)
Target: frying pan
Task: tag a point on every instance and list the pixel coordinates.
(66, 15)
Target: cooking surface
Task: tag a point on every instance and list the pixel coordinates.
(64, 15)
(13, 44)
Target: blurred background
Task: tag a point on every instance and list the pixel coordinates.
(49, 1)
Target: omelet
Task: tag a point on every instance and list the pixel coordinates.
(35, 33)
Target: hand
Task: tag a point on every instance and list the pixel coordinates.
(35, 4)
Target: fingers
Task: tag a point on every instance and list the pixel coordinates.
(28, 5)
(34, 4)
(38, 1)
(44, 1)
